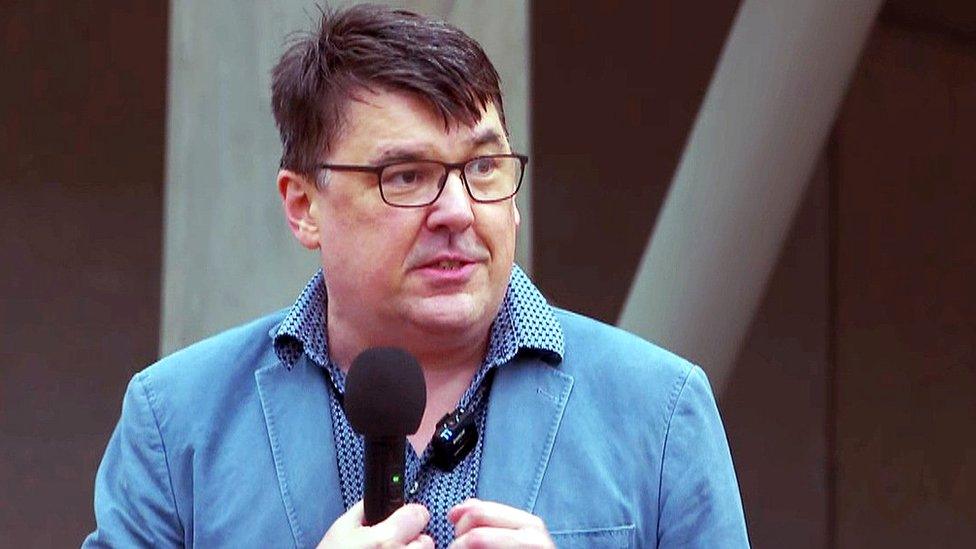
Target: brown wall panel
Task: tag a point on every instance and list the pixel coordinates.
(82, 135)
(775, 404)
(905, 296)
(615, 90)
(945, 16)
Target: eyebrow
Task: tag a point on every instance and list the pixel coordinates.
(400, 154)
(486, 136)
(409, 153)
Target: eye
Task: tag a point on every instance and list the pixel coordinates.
(410, 174)
(482, 166)
(402, 178)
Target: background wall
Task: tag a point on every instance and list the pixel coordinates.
(904, 302)
(610, 161)
(81, 183)
(124, 229)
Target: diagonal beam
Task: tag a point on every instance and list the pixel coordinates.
(768, 111)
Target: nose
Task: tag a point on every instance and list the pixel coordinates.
(452, 209)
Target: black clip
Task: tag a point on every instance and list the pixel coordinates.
(453, 440)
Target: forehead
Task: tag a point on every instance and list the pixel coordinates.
(376, 123)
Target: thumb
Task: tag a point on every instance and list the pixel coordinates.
(405, 524)
(355, 517)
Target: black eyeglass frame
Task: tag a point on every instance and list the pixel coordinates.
(448, 168)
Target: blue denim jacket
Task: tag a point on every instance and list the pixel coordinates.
(618, 445)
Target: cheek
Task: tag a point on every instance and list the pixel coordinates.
(349, 218)
(498, 228)
(345, 233)
(369, 242)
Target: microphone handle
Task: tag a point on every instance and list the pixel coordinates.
(383, 477)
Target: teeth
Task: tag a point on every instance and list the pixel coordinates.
(449, 265)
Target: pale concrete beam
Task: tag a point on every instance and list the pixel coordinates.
(228, 255)
(768, 111)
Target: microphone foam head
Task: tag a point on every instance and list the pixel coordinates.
(385, 393)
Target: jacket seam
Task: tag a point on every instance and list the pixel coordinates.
(676, 391)
(150, 397)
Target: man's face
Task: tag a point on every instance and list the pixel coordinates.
(442, 269)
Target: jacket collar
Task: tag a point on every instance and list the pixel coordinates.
(528, 398)
(296, 412)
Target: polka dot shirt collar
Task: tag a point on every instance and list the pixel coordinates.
(524, 322)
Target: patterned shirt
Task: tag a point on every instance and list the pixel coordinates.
(524, 322)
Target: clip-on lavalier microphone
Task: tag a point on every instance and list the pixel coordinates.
(454, 438)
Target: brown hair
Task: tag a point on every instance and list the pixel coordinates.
(369, 47)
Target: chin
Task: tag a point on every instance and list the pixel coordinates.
(448, 314)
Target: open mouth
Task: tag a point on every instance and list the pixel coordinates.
(448, 265)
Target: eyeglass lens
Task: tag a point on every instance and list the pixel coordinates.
(419, 183)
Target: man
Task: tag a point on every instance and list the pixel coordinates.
(397, 169)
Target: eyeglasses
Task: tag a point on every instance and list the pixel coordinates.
(417, 183)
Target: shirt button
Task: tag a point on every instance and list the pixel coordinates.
(414, 488)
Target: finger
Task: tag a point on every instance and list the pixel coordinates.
(352, 518)
(454, 513)
(422, 542)
(476, 513)
(478, 504)
(403, 525)
(486, 537)
(345, 525)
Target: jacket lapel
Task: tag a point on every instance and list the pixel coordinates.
(528, 398)
(296, 410)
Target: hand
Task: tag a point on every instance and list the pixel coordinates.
(401, 529)
(488, 524)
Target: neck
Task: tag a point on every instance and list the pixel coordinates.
(446, 359)
(435, 352)
(448, 364)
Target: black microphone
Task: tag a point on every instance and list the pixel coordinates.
(384, 401)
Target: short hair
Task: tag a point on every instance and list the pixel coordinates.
(375, 48)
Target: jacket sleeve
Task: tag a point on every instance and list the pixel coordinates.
(134, 502)
(700, 504)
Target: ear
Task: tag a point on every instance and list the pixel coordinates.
(296, 198)
(518, 216)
